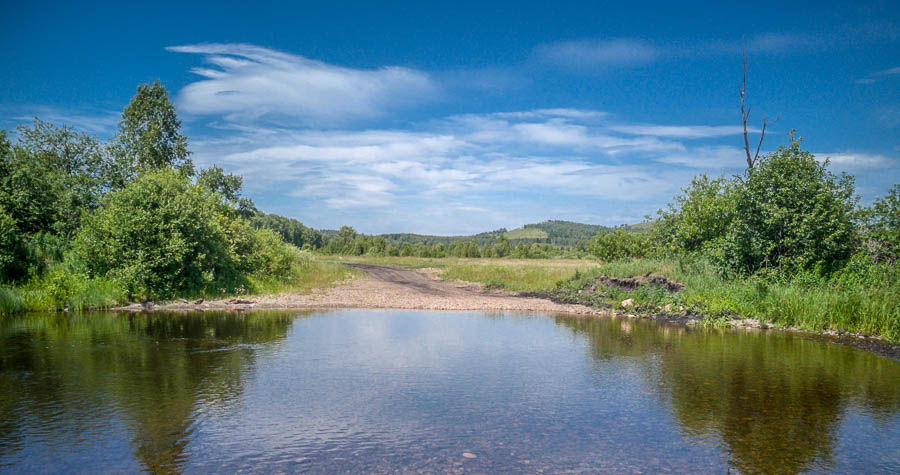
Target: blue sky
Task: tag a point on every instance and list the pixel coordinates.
(464, 117)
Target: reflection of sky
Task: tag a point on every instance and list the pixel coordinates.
(408, 385)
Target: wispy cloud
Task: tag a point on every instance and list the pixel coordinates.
(711, 158)
(95, 122)
(681, 131)
(888, 72)
(537, 156)
(879, 75)
(591, 54)
(594, 53)
(246, 82)
(857, 161)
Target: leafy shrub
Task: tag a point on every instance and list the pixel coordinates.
(700, 217)
(160, 236)
(791, 214)
(619, 244)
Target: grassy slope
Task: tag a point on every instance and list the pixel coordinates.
(526, 233)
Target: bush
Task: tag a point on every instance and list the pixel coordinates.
(619, 244)
(700, 217)
(160, 236)
(791, 214)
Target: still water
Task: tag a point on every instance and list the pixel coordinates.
(414, 391)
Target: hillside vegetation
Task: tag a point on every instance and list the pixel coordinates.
(526, 234)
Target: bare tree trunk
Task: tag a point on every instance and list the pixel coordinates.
(745, 114)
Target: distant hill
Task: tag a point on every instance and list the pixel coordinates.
(429, 240)
(639, 227)
(561, 233)
(557, 232)
(526, 233)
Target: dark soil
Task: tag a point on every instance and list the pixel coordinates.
(630, 284)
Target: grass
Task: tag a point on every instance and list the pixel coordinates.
(308, 273)
(526, 233)
(57, 290)
(516, 275)
(54, 293)
(870, 305)
(531, 275)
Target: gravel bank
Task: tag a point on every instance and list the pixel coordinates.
(387, 287)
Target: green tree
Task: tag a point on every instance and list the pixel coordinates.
(149, 135)
(620, 244)
(700, 217)
(229, 186)
(501, 247)
(55, 173)
(11, 248)
(883, 227)
(791, 213)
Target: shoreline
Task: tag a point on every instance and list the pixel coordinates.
(385, 287)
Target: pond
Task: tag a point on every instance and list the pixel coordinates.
(386, 390)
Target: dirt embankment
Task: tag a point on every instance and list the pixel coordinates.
(386, 287)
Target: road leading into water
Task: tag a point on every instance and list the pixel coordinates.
(389, 287)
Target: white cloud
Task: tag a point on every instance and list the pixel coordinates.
(681, 131)
(247, 82)
(593, 53)
(708, 158)
(878, 75)
(849, 161)
(100, 122)
(888, 72)
(536, 155)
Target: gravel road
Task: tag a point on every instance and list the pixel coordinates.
(388, 287)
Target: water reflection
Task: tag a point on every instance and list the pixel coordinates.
(408, 390)
(152, 371)
(774, 400)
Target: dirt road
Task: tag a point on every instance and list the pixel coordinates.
(388, 287)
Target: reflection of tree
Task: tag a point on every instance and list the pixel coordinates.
(156, 368)
(775, 400)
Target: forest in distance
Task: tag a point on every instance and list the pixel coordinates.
(91, 223)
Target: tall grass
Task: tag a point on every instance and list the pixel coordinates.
(57, 292)
(529, 275)
(307, 273)
(870, 304)
(515, 275)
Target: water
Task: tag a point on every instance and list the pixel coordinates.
(413, 391)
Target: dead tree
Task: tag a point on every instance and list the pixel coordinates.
(745, 114)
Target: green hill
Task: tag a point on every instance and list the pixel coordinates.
(565, 233)
(526, 233)
(557, 232)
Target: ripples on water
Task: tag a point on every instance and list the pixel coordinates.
(412, 390)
